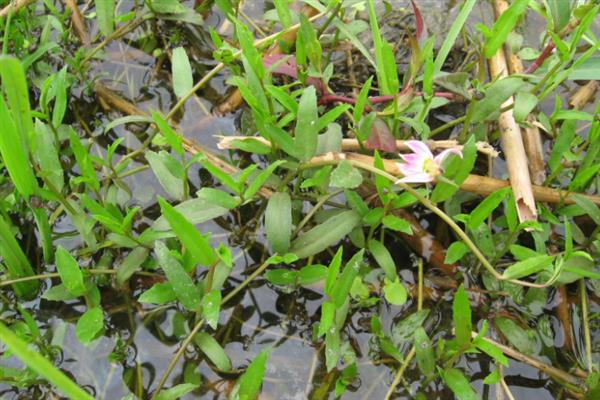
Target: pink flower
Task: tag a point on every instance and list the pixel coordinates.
(421, 166)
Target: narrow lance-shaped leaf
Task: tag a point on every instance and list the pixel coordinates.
(503, 26)
(197, 244)
(306, 132)
(461, 311)
(278, 221)
(105, 10)
(42, 366)
(181, 71)
(15, 261)
(69, 271)
(187, 293)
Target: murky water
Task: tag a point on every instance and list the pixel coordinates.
(139, 342)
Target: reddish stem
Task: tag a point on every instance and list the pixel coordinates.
(541, 58)
(330, 98)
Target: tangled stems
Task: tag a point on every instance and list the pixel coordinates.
(437, 211)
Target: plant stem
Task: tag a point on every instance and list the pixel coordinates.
(586, 325)
(198, 326)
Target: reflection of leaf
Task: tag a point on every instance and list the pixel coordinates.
(404, 330)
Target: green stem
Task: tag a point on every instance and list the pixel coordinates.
(586, 325)
(198, 326)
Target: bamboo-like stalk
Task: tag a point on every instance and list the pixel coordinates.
(481, 185)
(514, 149)
(78, 22)
(235, 99)
(226, 143)
(532, 139)
(584, 94)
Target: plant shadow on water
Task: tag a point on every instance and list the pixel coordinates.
(139, 340)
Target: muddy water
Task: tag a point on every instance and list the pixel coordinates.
(139, 344)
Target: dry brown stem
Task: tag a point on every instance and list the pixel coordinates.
(235, 99)
(78, 22)
(584, 94)
(514, 149)
(349, 144)
(477, 184)
(14, 6)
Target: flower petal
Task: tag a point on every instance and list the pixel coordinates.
(440, 157)
(419, 147)
(412, 158)
(409, 169)
(416, 178)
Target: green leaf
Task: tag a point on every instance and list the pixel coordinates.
(45, 151)
(424, 353)
(327, 317)
(306, 132)
(345, 176)
(278, 221)
(404, 330)
(455, 252)
(168, 7)
(395, 292)
(516, 335)
(187, 293)
(452, 34)
(261, 178)
(503, 26)
(165, 168)
(283, 11)
(496, 94)
(213, 350)
(457, 170)
(587, 70)
(527, 267)
(211, 305)
(160, 293)
(361, 100)
(381, 48)
(312, 274)
(13, 148)
(461, 313)
(105, 11)
(197, 211)
(459, 385)
(282, 276)
(89, 325)
(561, 13)
(172, 137)
(14, 84)
(333, 271)
(485, 208)
(341, 288)
(383, 258)
(181, 71)
(197, 244)
(132, 263)
(177, 391)
(588, 206)
(326, 234)
(250, 382)
(42, 366)
(69, 271)
(16, 261)
(491, 350)
(397, 224)
(525, 102)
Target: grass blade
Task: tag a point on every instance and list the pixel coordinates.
(42, 366)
